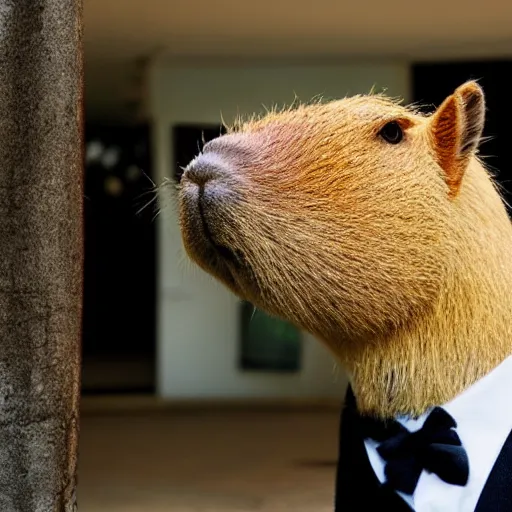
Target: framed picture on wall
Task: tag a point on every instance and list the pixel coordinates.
(187, 141)
(268, 343)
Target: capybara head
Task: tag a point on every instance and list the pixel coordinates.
(339, 217)
(372, 226)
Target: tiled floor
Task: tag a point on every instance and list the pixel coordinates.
(208, 462)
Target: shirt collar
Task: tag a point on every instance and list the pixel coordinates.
(483, 413)
(485, 403)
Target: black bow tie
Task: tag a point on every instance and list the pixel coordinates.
(436, 448)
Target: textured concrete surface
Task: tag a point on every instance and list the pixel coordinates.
(40, 252)
(208, 462)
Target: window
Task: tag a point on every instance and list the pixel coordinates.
(268, 343)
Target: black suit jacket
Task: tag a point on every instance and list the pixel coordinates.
(358, 489)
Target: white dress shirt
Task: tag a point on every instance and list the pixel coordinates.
(484, 420)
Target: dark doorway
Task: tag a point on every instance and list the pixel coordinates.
(119, 288)
(432, 82)
(188, 141)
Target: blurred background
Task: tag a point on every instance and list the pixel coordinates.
(191, 400)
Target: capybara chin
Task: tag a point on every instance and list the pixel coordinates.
(373, 227)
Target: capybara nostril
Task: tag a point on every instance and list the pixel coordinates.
(206, 167)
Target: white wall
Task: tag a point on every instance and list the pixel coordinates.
(198, 319)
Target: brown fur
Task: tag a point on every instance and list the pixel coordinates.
(396, 256)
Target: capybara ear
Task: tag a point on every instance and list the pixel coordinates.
(456, 128)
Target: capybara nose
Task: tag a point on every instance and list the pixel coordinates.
(206, 167)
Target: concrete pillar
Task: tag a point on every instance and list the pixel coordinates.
(40, 252)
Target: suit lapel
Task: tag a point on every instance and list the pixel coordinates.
(357, 486)
(497, 493)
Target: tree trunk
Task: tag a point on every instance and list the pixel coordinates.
(41, 252)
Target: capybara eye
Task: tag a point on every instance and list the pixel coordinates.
(392, 132)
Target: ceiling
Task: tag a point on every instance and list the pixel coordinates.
(120, 34)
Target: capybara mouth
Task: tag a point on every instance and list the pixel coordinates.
(202, 241)
(222, 250)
